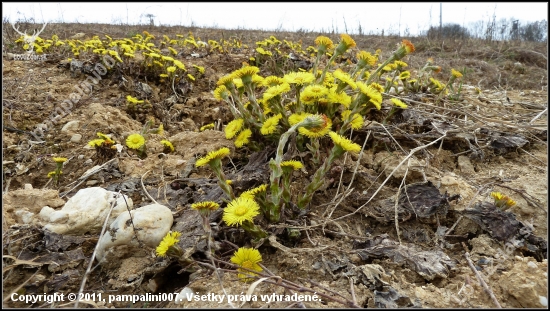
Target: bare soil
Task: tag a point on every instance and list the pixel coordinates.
(349, 246)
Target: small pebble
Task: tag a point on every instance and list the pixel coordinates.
(182, 296)
(532, 265)
(71, 126)
(92, 182)
(28, 187)
(76, 138)
(483, 261)
(80, 156)
(152, 285)
(543, 301)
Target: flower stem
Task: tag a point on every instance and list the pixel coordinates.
(318, 180)
(253, 230)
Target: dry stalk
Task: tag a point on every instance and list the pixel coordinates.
(538, 115)
(396, 215)
(89, 269)
(480, 279)
(8, 297)
(545, 163)
(83, 178)
(480, 118)
(411, 153)
(145, 190)
(352, 289)
(285, 283)
(342, 172)
(393, 138)
(216, 269)
(352, 176)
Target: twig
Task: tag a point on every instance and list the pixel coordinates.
(453, 227)
(479, 118)
(538, 115)
(21, 285)
(310, 241)
(347, 191)
(286, 283)
(145, 190)
(352, 289)
(83, 178)
(393, 138)
(342, 172)
(413, 151)
(533, 156)
(479, 278)
(89, 269)
(216, 270)
(345, 234)
(396, 215)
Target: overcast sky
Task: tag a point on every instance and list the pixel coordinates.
(373, 17)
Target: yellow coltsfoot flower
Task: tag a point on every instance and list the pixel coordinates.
(344, 77)
(207, 127)
(206, 205)
(356, 120)
(243, 138)
(295, 165)
(240, 210)
(270, 124)
(317, 132)
(372, 94)
(233, 127)
(299, 78)
(213, 156)
(312, 93)
(365, 58)
(221, 93)
(275, 90)
(398, 103)
(167, 145)
(247, 258)
(346, 42)
(60, 160)
(324, 44)
(252, 192)
(456, 73)
(135, 141)
(344, 143)
(168, 244)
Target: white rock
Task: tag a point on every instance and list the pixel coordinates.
(543, 301)
(76, 138)
(185, 292)
(23, 216)
(71, 126)
(28, 187)
(153, 222)
(85, 212)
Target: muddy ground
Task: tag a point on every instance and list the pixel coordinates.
(348, 249)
